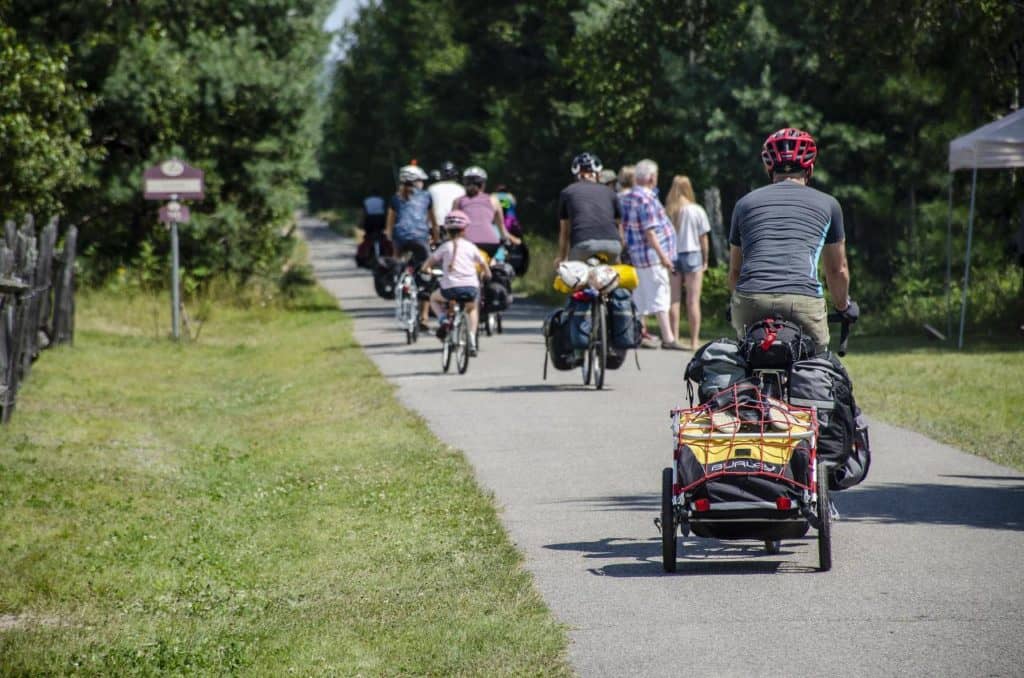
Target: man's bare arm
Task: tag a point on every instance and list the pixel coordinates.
(735, 262)
(837, 274)
(563, 240)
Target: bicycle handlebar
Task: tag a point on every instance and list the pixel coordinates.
(844, 331)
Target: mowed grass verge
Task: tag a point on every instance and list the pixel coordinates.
(257, 503)
(973, 400)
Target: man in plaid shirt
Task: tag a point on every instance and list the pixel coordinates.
(651, 241)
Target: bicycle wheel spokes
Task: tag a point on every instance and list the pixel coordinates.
(462, 344)
(446, 351)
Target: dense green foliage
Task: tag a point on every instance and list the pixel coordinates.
(227, 86)
(697, 85)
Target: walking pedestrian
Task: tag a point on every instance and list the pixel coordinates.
(651, 241)
(692, 228)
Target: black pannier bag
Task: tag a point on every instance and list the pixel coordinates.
(843, 442)
(426, 283)
(558, 342)
(715, 366)
(624, 327)
(384, 274)
(615, 358)
(775, 344)
(579, 323)
(518, 257)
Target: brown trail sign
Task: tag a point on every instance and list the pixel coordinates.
(173, 180)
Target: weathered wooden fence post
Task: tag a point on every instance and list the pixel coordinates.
(26, 281)
(64, 292)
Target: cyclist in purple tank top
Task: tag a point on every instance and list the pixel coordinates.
(486, 220)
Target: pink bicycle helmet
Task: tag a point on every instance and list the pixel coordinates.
(789, 150)
(456, 220)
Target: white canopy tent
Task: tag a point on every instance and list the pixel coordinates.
(997, 145)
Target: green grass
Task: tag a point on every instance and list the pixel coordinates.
(256, 503)
(973, 399)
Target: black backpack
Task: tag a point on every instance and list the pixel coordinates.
(775, 344)
(558, 342)
(823, 383)
(715, 366)
(624, 327)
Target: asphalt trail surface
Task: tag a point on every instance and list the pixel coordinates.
(928, 575)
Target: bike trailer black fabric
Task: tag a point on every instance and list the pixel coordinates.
(624, 326)
(754, 523)
(558, 342)
(384, 274)
(843, 442)
(715, 366)
(579, 323)
(774, 343)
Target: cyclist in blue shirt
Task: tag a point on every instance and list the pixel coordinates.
(410, 222)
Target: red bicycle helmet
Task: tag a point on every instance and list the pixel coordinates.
(789, 150)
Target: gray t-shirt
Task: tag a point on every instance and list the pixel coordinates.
(782, 229)
(592, 210)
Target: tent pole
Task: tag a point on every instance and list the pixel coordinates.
(949, 257)
(967, 257)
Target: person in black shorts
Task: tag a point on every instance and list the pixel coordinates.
(779, 232)
(589, 218)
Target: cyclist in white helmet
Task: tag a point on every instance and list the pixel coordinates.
(410, 222)
(589, 219)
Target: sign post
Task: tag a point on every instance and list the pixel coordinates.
(173, 180)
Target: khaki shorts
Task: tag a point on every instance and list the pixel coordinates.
(810, 313)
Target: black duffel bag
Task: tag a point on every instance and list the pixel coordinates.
(775, 344)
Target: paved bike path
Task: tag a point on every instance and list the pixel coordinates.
(928, 574)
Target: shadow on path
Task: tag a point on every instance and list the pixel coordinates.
(696, 557)
(999, 507)
(528, 388)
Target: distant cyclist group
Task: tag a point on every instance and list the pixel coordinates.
(779, 233)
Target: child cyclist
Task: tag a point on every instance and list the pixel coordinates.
(460, 261)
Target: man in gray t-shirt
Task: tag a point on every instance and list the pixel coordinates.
(779, 233)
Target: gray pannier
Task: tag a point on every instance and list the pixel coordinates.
(843, 443)
(715, 366)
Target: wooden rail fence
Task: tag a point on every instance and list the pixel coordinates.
(37, 300)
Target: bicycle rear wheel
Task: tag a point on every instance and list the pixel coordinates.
(461, 343)
(446, 350)
(600, 345)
